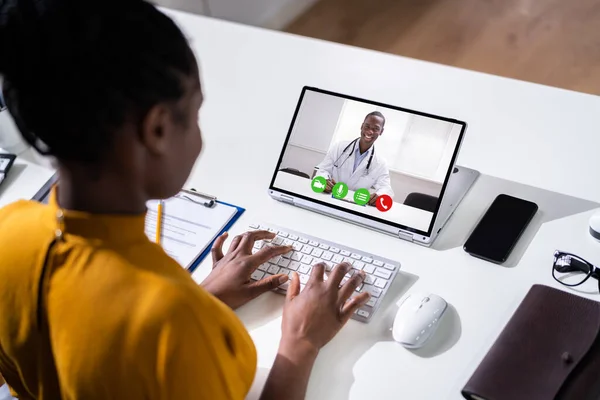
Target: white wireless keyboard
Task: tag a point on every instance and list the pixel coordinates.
(309, 250)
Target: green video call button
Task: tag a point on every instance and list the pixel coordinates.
(318, 184)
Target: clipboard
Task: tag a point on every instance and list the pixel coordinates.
(227, 227)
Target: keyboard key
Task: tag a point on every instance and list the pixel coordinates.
(378, 263)
(288, 242)
(372, 290)
(285, 285)
(275, 260)
(348, 260)
(304, 269)
(355, 256)
(383, 273)
(370, 279)
(327, 256)
(313, 243)
(359, 287)
(344, 280)
(283, 234)
(254, 251)
(254, 226)
(369, 268)
(277, 241)
(259, 244)
(303, 279)
(288, 254)
(338, 259)
(302, 240)
(297, 256)
(317, 253)
(358, 264)
(323, 246)
(371, 302)
(345, 253)
(363, 313)
(263, 267)
(367, 260)
(273, 269)
(294, 265)
(293, 237)
(334, 250)
(307, 260)
(328, 265)
(257, 275)
(285, 271)
(272, 230)
(389, 266)
(307, 249)
(284, 262)
(297, 246)
(380, 283)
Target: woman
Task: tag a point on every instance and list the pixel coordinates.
(91, 309)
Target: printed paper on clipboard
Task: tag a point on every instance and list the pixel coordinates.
(189, 228)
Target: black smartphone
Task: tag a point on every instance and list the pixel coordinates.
(499, 230)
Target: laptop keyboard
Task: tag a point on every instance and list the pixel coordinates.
(309, 250)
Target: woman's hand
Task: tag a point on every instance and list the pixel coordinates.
(312, 318)
(230, 281)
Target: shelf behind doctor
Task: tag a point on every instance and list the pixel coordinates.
(357, 164)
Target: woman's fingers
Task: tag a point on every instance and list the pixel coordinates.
(349, 288)
(294, 288)
(317, 273)
(235, 243)
(335, 278)
(249, 238)
(217, 249)
(268, 252)
(352, 305)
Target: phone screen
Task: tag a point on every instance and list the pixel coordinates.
(500, 228)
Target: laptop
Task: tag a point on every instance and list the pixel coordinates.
(402, 160)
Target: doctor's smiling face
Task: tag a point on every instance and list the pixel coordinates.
(371, 129)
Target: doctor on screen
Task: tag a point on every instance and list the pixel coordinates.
(357, 164)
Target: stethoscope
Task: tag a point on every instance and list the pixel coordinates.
(353, 144)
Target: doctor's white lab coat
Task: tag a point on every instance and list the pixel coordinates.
(376, 180)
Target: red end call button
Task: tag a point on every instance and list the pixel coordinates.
(384, 203)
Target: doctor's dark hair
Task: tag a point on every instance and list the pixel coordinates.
(76, 71)
(376, 114)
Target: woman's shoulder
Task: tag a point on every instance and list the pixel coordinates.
(23, 220)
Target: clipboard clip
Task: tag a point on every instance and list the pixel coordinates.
(192, 195)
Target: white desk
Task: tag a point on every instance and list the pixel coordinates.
(519, 131)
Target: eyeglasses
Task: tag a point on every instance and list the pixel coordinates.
(375, 128)
(571, 270)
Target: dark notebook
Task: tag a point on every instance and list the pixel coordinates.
(548, 350)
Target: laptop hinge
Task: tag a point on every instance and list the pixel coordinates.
(287, 199)
(405, 236)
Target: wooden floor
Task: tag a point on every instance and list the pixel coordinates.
(553, 42)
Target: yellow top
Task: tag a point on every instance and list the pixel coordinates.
(125, 320)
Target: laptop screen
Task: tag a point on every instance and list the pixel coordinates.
(381, 162)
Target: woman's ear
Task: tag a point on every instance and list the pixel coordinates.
(155, 129)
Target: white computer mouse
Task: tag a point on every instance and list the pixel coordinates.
(595, 226)
(417, 319)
